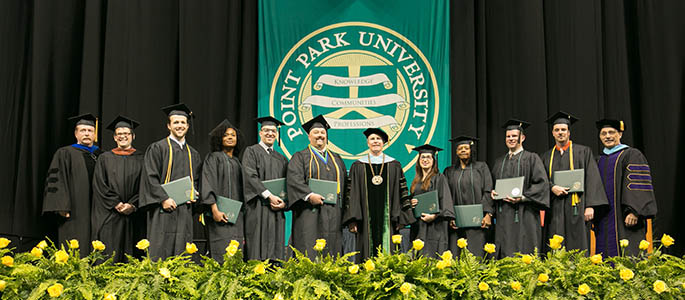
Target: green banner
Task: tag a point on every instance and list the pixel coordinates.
(361, 64)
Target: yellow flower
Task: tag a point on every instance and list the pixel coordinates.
(353, 269)
(278, 297)
(667, 240)
(555, 242)
(527, 259)
(482, 286)
(369, 265)
(583, 289)
(626, 274)
(260, 269)
(234, 243)
(320, 245)
(110, 297)
(37, 252)
(165, 273)
(8, 261)
(397, 239)
(624, 243)
(98, 245)
(596, 259)
(61, 256)
(643, 245)
(191, 248)
(73, 244)
(447, 256)
(231, 250)
(489, 248)
(417, 244)
(42, 245)
(443, 264)
(515, 285)
(462, 243)
(3, 284)
(543, 277)
(55, 290)
(659, 286)
(4, 242)
(405, 288)
(143, 244)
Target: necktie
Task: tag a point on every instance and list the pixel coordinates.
(270, 150)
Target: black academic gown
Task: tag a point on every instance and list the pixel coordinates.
(627, 180)
(562, 218)
(68, 188)
(468, 186)
(168, 232)
(377, 209)
(222, 176)
(526, 234)
(315, 222)
(265, 235)
(116, 180)
(435, 234)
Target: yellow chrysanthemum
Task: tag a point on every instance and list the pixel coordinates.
(489, 248)
(659, 286)
(397, 239)
(143, 244)
(443, 264)
(191, 248)
(3, 284)
(165, 273)
(447, 256)
(320, 245)
(483, 286)
(353, 269)
(626, 274)
(405, 288)
(643, 245)
(73, 244)
(667, 240)
(515, 285)
(462, 243)
(527, 259)
(55, 290)
(4, 242)
(260, 269)
(583, 289)
(61, 256)
(369, 265)
(231, 250)
(417, 244)
(624, 243)
(98, 245)
(42, 245)
(234, 243)
(543, 277)
(596, 259)
(8, 261)
(555, 242)
(111, 296)
(37, 252)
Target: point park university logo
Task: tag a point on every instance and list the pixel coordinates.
(358, 75)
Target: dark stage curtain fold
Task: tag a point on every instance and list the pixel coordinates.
(525, 59)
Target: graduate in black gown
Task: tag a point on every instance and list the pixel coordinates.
(432, 229)
(470, 183)
(264, 212)
(169, 226)
(377, 191)
(627, 181)
(116, 183)
(517, 218)
(222, 176)
(68, 184)
(570, 215)
(312, 219)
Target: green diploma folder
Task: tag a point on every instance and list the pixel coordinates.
(327, 189)
(428, 204)
(276, 187)
(572, 179)
(179, 190)
(468, 215)
(512, 187)
(230, 207)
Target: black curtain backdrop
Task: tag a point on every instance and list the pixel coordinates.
(524, 59)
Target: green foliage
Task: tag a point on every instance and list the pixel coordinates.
(391, 276)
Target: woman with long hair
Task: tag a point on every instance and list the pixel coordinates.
(432, 229)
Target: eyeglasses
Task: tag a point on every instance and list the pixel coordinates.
(123, 134)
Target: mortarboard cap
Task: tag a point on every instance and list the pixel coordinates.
(464, 139)
(427, 149)
(616, 124)
(512, 124)
(269, 121)
(562, 117)
(377, 131)
(221, 128)
(178, 110)
(317, 122)
(122, 121)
